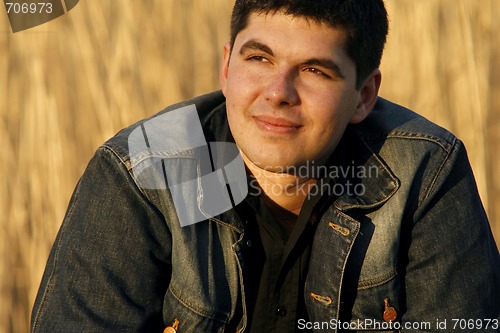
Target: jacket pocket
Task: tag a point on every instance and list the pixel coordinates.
(191, 317)
(375, 305)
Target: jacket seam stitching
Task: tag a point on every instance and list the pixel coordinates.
(444, 144)
(433, 181)
(225, 224)
(377, 281)
(198, 310)
(124, 164)
(49, 287)
(348, 250)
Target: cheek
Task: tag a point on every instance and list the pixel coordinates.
(330, 118)
(338, 110)
(241, 96)
(236, 119)
(235, 90)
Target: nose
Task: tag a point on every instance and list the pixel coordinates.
(282, 89)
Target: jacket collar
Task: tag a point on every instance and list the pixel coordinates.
(375, 182)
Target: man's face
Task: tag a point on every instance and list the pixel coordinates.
(290, 90)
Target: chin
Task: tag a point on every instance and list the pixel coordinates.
(275, 163)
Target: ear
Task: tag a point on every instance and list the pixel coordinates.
(368, 93)
(225, 67)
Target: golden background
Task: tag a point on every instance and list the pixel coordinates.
(70, 84)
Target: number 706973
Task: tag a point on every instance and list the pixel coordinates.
(29, 7)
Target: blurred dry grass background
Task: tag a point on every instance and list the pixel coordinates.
(68, 85)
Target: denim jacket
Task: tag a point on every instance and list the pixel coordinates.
(414, 247)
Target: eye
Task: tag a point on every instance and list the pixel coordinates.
(317, 72)
(258, 58)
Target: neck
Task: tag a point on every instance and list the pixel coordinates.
(284, 193)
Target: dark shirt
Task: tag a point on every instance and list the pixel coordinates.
(279, 266)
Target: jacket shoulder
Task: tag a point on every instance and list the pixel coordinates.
(390, 120)
(205, 105)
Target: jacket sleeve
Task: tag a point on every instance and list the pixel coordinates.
(452, 278)
(110, 264)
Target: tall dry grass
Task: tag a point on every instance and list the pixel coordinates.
(443, 60)
(70, 84)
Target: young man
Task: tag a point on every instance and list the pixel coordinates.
(360, 214)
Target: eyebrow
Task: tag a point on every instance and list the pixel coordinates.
(253, 45)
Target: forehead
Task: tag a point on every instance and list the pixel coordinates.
(293, 35)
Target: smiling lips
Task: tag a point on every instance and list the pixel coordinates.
(276, 125)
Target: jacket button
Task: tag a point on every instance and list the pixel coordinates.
(249, 243)
(390, 314)
(281, 311)
(173, 328)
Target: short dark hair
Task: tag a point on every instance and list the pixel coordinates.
(364, 22)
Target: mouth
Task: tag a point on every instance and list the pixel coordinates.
(276, 124)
